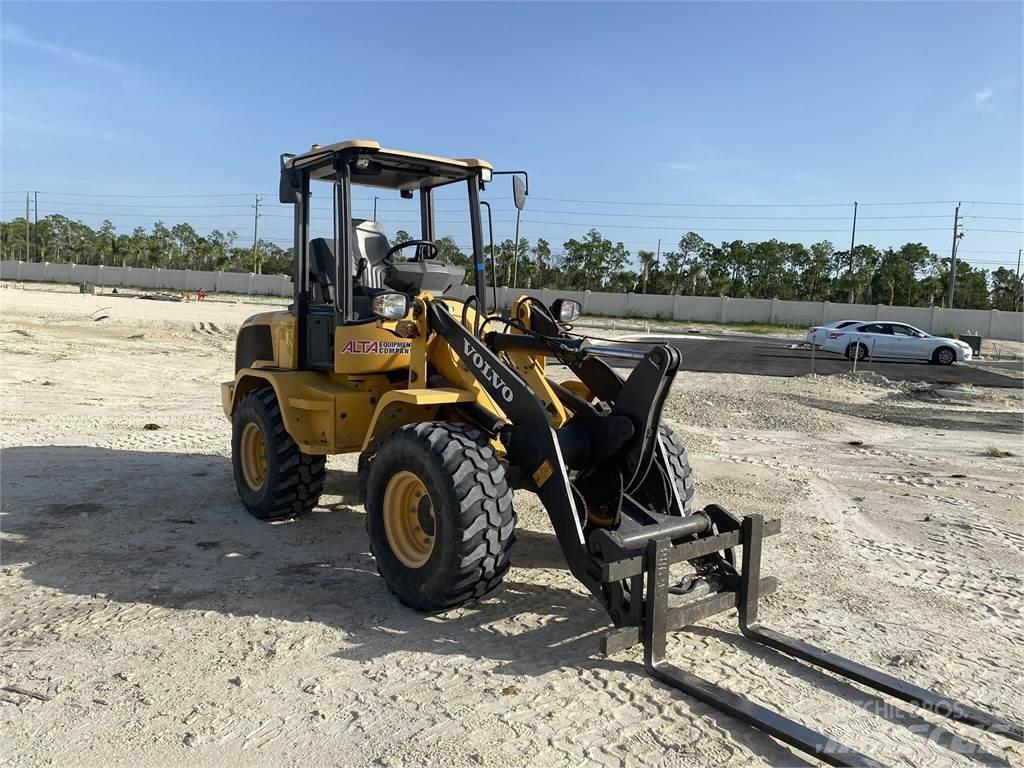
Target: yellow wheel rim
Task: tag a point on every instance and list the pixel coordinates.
(409, 521)
(254, 456)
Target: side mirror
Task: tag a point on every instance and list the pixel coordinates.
(566, 310)
(390, 306)
(519, 192)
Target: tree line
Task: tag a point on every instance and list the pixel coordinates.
(910, 275)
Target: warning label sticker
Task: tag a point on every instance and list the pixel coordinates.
(543, 473)
(364, 347)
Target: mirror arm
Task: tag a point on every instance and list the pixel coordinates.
(524, 174)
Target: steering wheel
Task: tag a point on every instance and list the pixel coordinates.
(422, 247)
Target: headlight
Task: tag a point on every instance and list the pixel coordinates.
(486, 174)
(566, 310)
(390, 306)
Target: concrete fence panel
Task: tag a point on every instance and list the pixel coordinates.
(234, 282)
(798, 312)
(86, 273)
(962, 321)
(706, 309)
(749, 311)
(112, 276)
(850, 312)
(266, 285)
(60, 273)
(32, 271)
(1007, 325)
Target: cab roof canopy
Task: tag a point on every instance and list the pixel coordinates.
(385, 168)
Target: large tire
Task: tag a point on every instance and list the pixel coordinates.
(679, 466)
(455, 546)
(274, 478)
(944, 356)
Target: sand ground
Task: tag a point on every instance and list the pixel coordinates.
(164, 626)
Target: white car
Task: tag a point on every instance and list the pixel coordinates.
(816, 333)
(882, 339)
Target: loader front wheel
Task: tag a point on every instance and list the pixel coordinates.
(439, 515)
(274, 478)
(679, 467)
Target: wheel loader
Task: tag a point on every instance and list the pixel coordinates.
(450, 404)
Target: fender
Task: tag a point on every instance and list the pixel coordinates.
(309, 401)
(410, 406)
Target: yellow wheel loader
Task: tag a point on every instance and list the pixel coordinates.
(450, 406)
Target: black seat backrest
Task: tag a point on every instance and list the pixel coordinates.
(322, 270)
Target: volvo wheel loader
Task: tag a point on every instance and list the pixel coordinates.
(450, 406)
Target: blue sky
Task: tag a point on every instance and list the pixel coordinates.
(642, 103)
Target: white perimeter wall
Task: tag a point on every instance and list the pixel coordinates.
(991, 324)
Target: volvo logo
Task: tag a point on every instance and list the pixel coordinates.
(488, 372)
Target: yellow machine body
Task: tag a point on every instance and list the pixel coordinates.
(380, 379)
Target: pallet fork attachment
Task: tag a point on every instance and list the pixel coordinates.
(659, 619)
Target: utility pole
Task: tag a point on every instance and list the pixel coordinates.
(657, 264)
(853, 240)
(1020, 293)
(375, 198)
(35, 225)
(952, 258)
(28, 253)
(255, 237)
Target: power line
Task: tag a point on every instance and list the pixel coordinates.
(121, 194)
(960, 251)
(693, 205)
(736, 205)
(709, 229)
(152, 205)
(731, 218)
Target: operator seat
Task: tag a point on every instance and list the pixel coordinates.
(368, 250)
(321, 270)
(370, 247)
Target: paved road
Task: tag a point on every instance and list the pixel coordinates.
(766, 356)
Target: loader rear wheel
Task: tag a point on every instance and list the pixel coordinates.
(439, 515)
(274, 478)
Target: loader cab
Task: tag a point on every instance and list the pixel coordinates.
(337, 277)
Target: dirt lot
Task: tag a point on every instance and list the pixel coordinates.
(160, 625)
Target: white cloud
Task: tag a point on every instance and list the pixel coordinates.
(982, 98)
(678, 166)
(16, 36)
